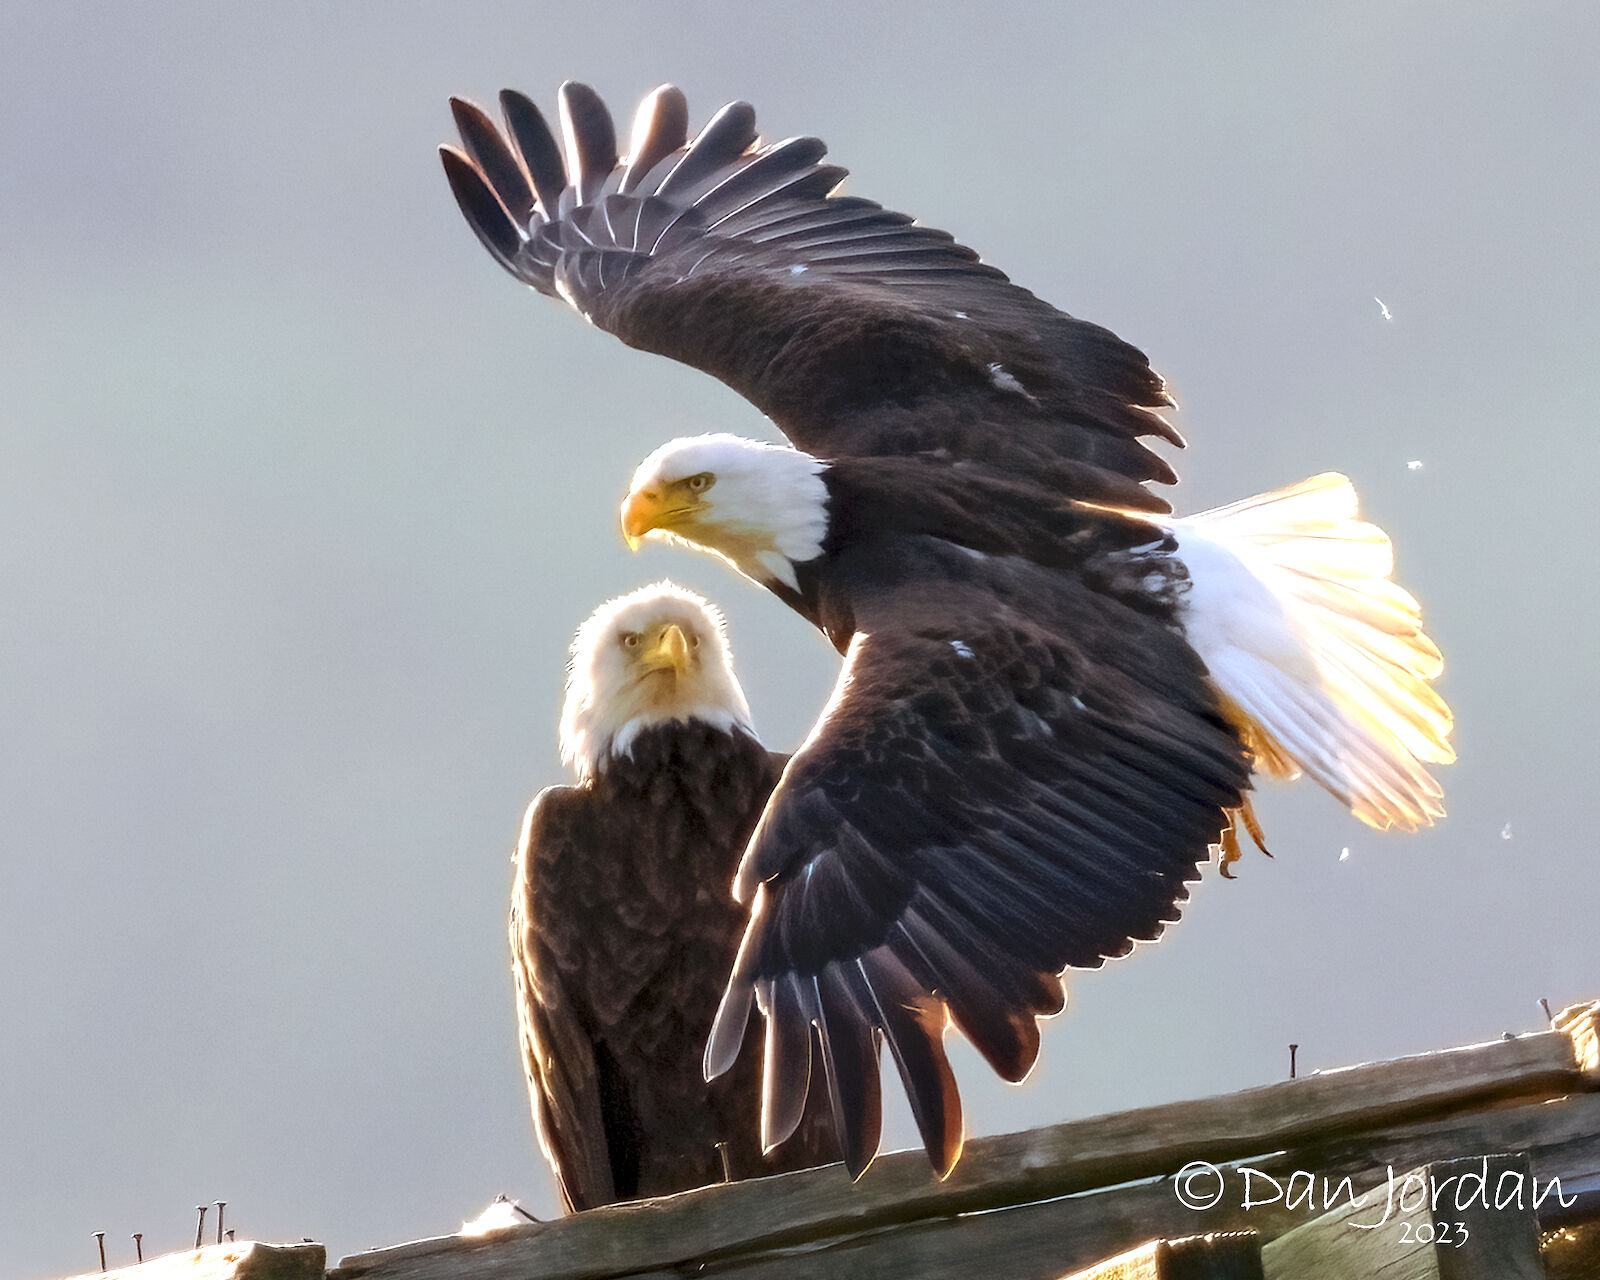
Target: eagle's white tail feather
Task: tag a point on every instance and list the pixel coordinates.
(1318, 654)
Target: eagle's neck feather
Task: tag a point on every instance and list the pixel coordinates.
(774, 518)
(591, 757)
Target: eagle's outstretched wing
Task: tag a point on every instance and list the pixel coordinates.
(856, 330)
(1015, 775)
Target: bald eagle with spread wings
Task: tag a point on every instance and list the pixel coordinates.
(622, 924)
(1054, 692)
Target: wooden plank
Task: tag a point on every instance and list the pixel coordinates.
(796, 1209)
(1469, 1219)
(242, 1260)
(1234, 1255)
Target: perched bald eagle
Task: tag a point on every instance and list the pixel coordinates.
(623, 927)
(1053, 693)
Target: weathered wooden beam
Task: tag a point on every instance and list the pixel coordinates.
(1229, 1256)
(243, 1260)
(1469, 1219)
(796, 1210)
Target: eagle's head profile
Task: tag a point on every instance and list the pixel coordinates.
(761, 507)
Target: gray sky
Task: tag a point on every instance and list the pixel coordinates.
(301, 499)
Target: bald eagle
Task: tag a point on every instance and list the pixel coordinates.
(1054, 692)
(623, 928)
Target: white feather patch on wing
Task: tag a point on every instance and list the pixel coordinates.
(1320, 656)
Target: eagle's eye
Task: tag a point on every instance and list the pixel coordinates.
(629, 639)
(694, 642)
(700, 483)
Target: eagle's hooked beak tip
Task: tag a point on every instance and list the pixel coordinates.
(675, 645)
(638, 518)
(670, 652)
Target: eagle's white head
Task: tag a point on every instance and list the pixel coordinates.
(761, 507)
(653, 655)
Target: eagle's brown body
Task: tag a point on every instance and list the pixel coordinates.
(623, 930)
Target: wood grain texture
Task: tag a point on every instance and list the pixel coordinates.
(1225, 1256)
(1450, 1220)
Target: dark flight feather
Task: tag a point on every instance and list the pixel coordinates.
(536, 145)
(500, 167)
(721, 144)
(849, 1042)
(660, 128)
(591, 140)
(484, 213)
(912, 1022)
(786, 1068)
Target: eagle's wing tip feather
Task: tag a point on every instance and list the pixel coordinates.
(727, 1030)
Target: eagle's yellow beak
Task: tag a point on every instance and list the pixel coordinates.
(648, 509)
(669, 652)
(641, 512)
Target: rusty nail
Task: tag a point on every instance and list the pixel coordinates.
(221, 1204)
(1293, 1049)
(138, 1245)
(230, 1235)
(1548, 1016)
(100, 1239)
(727, 1169)
(503, 1198)
(201, 1226)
